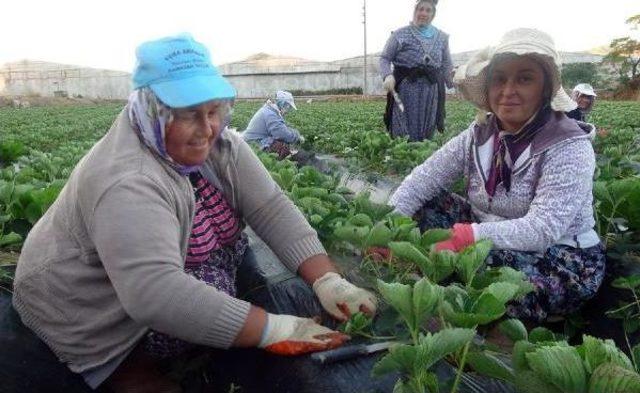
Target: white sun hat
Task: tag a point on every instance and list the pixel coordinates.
(282, 95)
(585, 89)
(470, 78)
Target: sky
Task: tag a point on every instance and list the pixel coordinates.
(105, 34)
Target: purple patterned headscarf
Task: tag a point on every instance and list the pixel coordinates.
(149, 118)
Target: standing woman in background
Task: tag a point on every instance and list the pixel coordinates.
(422, 67)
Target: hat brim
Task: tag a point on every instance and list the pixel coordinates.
(195, 90)
(293, 105)
(471, 79)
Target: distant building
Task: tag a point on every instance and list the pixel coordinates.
(45, 79)
(254, 77)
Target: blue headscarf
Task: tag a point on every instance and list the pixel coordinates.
(427, 31)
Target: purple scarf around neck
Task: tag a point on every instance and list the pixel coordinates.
(507, 147)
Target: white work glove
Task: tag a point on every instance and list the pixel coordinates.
(288, 335)
(389, 83)
(341, 298)
(301, 139)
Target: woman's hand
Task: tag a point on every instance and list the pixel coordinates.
(341, 299)
(389, 83)
(288, 335)
(338, 296)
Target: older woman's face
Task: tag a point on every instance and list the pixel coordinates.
(424, 13)
(190, 135)
(584, 101)
(516, 88)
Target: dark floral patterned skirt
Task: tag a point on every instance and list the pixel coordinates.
(219, 271)
(564, 277)
(281, 149)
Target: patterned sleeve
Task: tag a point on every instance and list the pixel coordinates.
(566, 180)
(388, 55)
(437, 173)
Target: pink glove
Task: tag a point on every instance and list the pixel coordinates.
(462, 236)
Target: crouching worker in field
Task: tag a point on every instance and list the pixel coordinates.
(268, 129)
(136, 260)
(528, 171)
(585, 97)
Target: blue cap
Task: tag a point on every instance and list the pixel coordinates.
(179, 71)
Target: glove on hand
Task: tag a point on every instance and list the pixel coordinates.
(341, 298)
(288, 335)
(301, 139)
(461, 237)
(389, 83)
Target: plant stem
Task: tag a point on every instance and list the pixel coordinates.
(620, 308)
(633, 356)
(454, 388)
(635, 296)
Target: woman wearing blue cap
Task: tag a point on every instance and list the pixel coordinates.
(268, 128)
(136, 259)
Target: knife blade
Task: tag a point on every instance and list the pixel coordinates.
(396, 98)
(351, 351)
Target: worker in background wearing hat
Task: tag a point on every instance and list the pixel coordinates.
(268, 129)
(136, 259)
(415, 66)
(529, 174)
(584, 96)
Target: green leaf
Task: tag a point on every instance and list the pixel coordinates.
(356, 325)
(11, 238)
(630, 282)
(427, 298)
(472, 313)
(408, 252)
(514, 329)
(503, 291)
(519, 358)
(596, 352)
(529, 382)
(444, 264)
(611, 378)
(541, 334)
(33, 212)
(400, 358)
(560, 366)
(490, 365)
(504, 274)
(433, 236)
(336, 199)
(352, 234)
(379, 236)
(443, 343)
(400, 297)
(360, 220)
(472, 258)
(636, 355)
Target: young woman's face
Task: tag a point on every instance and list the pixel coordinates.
(516, 89)
(424, 13)
(190, 135)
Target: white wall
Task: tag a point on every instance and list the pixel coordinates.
(28, 78)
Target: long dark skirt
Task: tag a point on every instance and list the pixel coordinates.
(564, 277)
(419, 120)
